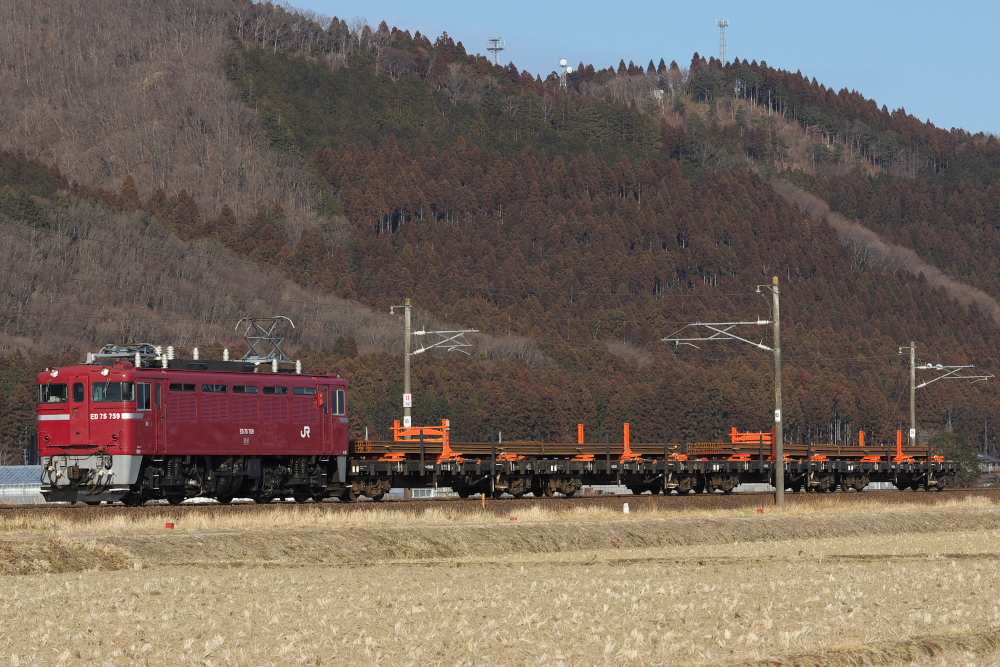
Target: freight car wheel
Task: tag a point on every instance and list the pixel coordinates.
(377, 498)
(348, 496)
(132, 500)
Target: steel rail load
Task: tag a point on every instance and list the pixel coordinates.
(134, 424)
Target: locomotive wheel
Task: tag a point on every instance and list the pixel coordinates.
(91, 502)
(463, 494)
(224, 500)
(262, 500)
(301, 497)
(175, 500)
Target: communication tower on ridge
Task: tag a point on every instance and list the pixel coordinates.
(723, 24)
(564, 70)
(496, 45)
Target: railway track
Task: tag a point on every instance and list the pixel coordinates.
(502, 506)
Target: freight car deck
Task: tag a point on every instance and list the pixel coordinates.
(425, 456)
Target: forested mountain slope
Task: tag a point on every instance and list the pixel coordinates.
(321, 162)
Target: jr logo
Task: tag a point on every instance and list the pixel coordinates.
(305, 432)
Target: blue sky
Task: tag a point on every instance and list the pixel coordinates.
(938, 60)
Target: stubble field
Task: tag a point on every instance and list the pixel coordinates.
(845, 584)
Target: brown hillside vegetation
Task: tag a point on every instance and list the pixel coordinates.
(110, 88)
(91, 276)
(874, 251)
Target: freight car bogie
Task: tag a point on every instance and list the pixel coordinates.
(372, 487)
(724, 483)
(854, 482)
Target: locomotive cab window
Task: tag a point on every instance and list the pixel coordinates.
(142, 396)
(53, 393)
(275, 390)
(244, 389)
(79, 392)
(341, 405)
(112, 392)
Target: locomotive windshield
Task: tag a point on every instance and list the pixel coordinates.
(53, 393)
(113, 392)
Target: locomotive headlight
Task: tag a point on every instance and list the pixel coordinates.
(54, 372)
(105, 371)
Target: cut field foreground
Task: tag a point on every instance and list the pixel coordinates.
(871, 583)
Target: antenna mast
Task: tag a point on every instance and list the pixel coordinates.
(564, 69)
(723, 24)
(496, 45)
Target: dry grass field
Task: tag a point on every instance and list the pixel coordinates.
(869, 583)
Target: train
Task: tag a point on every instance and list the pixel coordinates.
(134, 424)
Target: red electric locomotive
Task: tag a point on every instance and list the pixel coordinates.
(133, 425)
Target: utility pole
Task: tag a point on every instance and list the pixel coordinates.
(407, 393)
(913, 394)
(407, 345)
(779, 445)
(450, 340)
(947, 373)
(723, 331)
